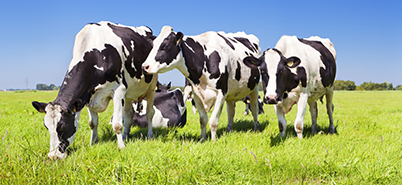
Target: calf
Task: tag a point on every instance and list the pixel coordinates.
(106, 65)
(212, 62)
(298, 71)
(170, 109)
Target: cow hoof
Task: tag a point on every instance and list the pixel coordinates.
(300, 135)
(122, 146)
(94, 141)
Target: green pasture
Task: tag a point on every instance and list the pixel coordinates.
(367, 148)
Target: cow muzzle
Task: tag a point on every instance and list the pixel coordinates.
(271, 99)
(145, 69)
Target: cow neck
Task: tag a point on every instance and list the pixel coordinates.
(76, 87)
(192, 62)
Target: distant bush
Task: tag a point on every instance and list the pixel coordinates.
(367, 86)
(344, 85)
(43, 87)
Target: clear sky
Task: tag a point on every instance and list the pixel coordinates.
(37, 37)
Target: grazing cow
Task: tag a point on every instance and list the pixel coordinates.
(212, 62)
(298, 71)
(106, 65)
(170, 109)
(246, 101)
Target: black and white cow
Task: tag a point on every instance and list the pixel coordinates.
(212, 62)
(246, 101)
(298, 71)
(106, 65)
(170, 109)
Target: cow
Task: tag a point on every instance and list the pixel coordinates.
(246, 100)
(106, 64)
(170, 109)
(212, 62)
(298, 71)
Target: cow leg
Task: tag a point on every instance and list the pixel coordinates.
(216, 113)
(118, 114)
(127, 118)
(314, 115)
(230, 107)
(281, 120)
(301, 111)
(203, 117)
(93, 123)
(254, 107)
(330, 110)
(150, 107)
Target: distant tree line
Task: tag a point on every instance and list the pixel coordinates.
(366, 86)
(44, 87)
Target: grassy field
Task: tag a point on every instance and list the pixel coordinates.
(367, 148)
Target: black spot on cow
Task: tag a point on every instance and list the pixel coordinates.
(254, 78)
(194, 60)
(238, 72)
(285, 79)
(222, 82)
(168, 50)
(97, 24)
(122, 102)
(212, 64)
(82, 79)
(327, 74)
(227, 41)
(65, 129)
(136, 57)
(246, 43)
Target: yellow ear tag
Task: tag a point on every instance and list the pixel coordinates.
(156, 88)
(290, 64)
(178, 41)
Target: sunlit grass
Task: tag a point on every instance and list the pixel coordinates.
(365, 150)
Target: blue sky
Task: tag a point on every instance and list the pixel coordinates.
(37, 37)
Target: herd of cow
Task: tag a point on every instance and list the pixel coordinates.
(112, 61)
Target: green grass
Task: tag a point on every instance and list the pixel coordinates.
(367, 148)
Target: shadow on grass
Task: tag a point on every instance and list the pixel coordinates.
(290, 132)
(108, 134)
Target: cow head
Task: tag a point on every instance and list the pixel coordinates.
(62, 125)
(163, 88)
(166, 52)
(279, 74)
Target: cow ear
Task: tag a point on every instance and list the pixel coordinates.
(251, 61)
(179, 37)
(169, 85)
(76, 104)
(40, 107)
(293, 62)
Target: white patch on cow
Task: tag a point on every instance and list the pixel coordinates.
(52, 117)
(98, 68)
(272, 59)
(132, 45)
